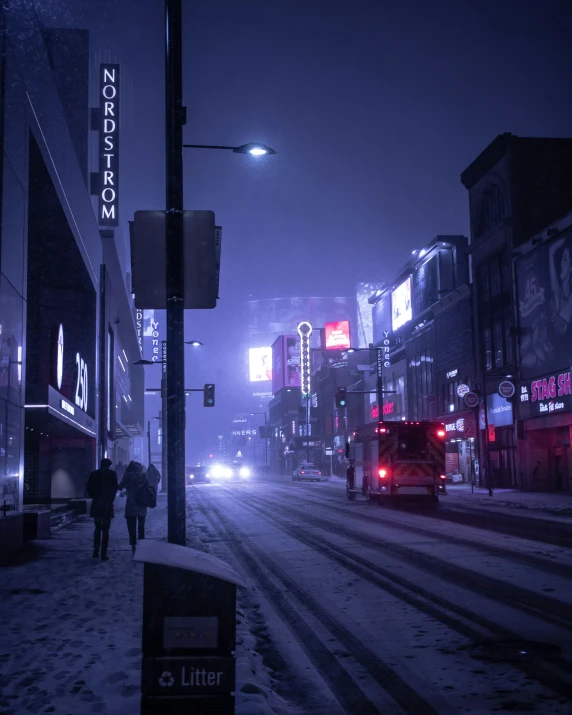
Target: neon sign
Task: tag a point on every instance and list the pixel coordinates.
(551, 387)
(305, 330)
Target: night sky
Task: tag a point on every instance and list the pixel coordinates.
(375, 108)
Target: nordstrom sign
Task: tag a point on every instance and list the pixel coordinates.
(109, 145)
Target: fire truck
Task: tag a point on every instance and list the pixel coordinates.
(398, 459)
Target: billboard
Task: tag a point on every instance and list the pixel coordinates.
(544, 279)
(337, 335)
(401, 312)
(260, 364)
(285, 362)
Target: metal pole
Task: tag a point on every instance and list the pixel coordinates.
(308, 427)
(149, 443)
(174, 121)
(165, 473)
(265, 441)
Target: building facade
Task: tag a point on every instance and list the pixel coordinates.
(516, 186)
(53, 360)
(543, 399)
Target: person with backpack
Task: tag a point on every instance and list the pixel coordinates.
(140, 495)
(154, 477)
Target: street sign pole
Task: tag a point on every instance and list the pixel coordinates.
(174, 275)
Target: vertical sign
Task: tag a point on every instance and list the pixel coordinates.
(108, 144)
(304, 330)
(218, 243)
(139, 328)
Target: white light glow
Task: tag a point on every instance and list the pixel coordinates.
(257, 151)
(121, 363)
(244, 472)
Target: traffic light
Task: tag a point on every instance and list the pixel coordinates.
(341, 397)
(208, 396)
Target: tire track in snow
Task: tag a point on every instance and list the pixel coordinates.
(349, 694)
(546, 608)
(542, 530)
(522, 559)
(554, 674)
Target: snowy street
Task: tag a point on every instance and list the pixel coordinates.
(349, 607)
(370, 609)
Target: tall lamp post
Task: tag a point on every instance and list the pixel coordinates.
(265, 436)
(175, 119)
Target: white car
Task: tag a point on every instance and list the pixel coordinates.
(307, 471)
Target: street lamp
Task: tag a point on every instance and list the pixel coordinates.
(265, 436)
(253, 148)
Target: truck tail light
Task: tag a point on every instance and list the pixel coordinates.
(441, 433)
(382, 473)
(443, 476)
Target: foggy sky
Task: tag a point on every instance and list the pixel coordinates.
(375, 108)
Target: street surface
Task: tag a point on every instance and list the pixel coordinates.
(367, 609)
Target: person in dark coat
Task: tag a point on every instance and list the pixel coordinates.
(153, 477)
(134, 479)
(102, 487)
(351, 475)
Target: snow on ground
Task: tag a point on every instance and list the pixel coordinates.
(71, 628)
(433, 657)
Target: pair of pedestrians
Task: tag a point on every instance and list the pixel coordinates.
(138, 485)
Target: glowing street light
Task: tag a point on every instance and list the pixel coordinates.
(252, 148)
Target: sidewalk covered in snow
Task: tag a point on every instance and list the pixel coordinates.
(71, 637)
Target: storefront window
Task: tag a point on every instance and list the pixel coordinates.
(11, 354)
(10, 454)
(13, 227)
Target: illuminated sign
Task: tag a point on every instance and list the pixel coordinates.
(66, 407)
(401, 310)
(109, 145)
(81, 385)
(452, 373)
(139, 329)
(60, 357)
(260, 364)
(151, 331)
(550, 387)
(305, 330)
(463, 390)
(337, 335)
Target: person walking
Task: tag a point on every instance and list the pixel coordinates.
(134, 482)
(154, 477)
(102, 487)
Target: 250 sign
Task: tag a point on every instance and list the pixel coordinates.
(81, 386)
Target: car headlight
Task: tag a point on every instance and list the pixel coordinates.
(192, 476)
(218, 471)
(244, 472)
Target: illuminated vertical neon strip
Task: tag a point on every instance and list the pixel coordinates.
(305, 330)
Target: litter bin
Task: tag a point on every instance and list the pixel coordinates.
(189, 631)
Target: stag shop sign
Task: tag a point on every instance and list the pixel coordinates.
(108, 145)
(547, 395)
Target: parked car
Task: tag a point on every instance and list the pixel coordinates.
(307, 471)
